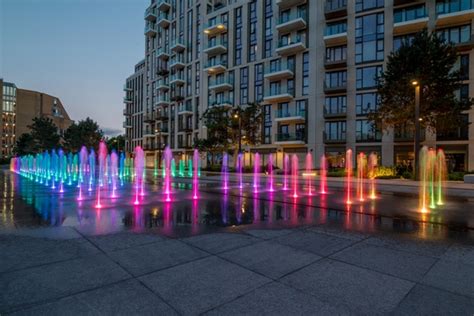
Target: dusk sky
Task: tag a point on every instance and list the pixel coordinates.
(78, 50)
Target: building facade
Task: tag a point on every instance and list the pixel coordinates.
(312, 64)
(19, 107)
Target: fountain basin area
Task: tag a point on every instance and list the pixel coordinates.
(147, 242)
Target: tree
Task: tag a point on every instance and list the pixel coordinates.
(44, 134)
(25, 145)
(430, 60)
(84, 133)
(226, 127)
(117, 143)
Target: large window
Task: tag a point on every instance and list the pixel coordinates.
(336, 79)
(369, 38)
(404, 40)
(367, 132)
(366, 78)
(267, 123)
(335, 54)
(305, 86)
(409, 13)
(335, 131)
(335, 105)
(268, 36)
(244, 84)
(450, 6)
(335, 28)
(362, 5)
(456, 35)
(366, 103)
(252, 31)
(258, 82)
(238, 37)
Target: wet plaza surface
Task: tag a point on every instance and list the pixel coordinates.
(234, 253)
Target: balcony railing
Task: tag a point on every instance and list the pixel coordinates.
(222, 80)
(150, 14)
(282, 43)
(221, 102)
(335, 87)
(150, 29)
(290, 137)
(453, 6)
(290, 112)
(335, 138)
(338, 112)
(185, 108)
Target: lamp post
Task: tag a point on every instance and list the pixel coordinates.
(239, 117)
(158, 131)
(416, 84)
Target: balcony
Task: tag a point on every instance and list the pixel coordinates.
(127, 112)
(290, 138)
(164, 130)
(337, 87)
(334, 113)
(407, 136)
(127, 88)
(279, 71)
(150, 30)
(163, 5)
(150, 14)
(291, 22)
(335, 139)
(177, 62)
(177, 46)
(284, 4)
(216, 67)
(450, 14)
(334, 39)
(291, 46)
(177, 79)
(127, 100)
(215, 27)
(162, 70)
(187, 128)
(149, 133)
(185, 109)
(163, 85)
(148, 117)
(334, 9)
(405, 23)
(177, 95)
(332, 64)
(464, 46)
(215, 47)
(162, 101)
(290, 115)
(221, 84)
(163, 53)
(162, 115)
(226, 103)
(163, 20)
(278, 95)
(127, 124)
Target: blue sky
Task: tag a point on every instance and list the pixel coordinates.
(78, 50)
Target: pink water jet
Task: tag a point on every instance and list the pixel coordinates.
(240, 169)
(361, 171)
(270, 173)
(323, 175)
(286, 171)
(102, 162)
(114, 172)
(373, 162)
(167, 166)
(309, 171)
(256, 173)
(139, 169)
(195, 174)
(294, 174)
(349, 176)
(225, 171)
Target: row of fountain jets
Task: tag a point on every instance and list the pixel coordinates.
(104, 173)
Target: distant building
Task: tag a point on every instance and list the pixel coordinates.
(134, 100)
(312, 64)
(19, 107)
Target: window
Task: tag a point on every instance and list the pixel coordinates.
(258, 82)
(450, 6)
(366, 77)
(362, 5)
(268, 35)
(244, 82)
(336, 79)
(290, 86)
(456, 35)
(369, 38)
(335, 28)
(305, 75)
(404, 40)
(335, 54)
(252, 36)
(301, 107)
(367, 132)
(409, 13)
(335, 105)
(238, 37)
(335, 131)
(458, 133)
(366, 103)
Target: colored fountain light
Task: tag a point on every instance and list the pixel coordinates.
(286, 171)
(196, 174)
(432, 174)
(270, 173)
(139, 170)
(372, 165)
(309, 172)
(256, 173)
(240, 163)
(361, 173)
(323, 175)
(102, 170)
(294, 174)
(225, 171)
(349, 176)
(168, 157)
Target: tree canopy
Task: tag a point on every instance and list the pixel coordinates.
(25, 145)
(44, 134)
(430, 61)
(83, 133)
(117, 143)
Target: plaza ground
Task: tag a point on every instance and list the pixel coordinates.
(275, 257)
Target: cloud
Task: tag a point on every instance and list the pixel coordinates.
(111, 132)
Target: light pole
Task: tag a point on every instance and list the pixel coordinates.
(416, 84)
(158, 131)
(239, 117)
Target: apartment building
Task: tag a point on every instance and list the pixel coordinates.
(133, 124)
(312, 64)
(19, 107)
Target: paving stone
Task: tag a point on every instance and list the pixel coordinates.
(57, 280)
(453, 276)
(124, 298)
(460, 253)
(268, 233)
(319, 244)
(200, 285)
(123, 240)
(397, 263)
(278, 299)
(425, 300)
(55, 232)
(341, 284)
(338, 232)
(19, 252)
(271, 259)
(156, 256)
(220, 242)
(410, 244)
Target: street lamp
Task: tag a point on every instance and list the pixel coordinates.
(237, 116)
(416, 84)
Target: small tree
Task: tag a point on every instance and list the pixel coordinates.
(83, 133)
(430, 60)
(117, 143)
(25, 145)
(44, 134)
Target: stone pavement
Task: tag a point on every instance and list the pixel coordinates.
(316, 269)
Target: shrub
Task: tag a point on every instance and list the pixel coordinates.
(456, 176)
